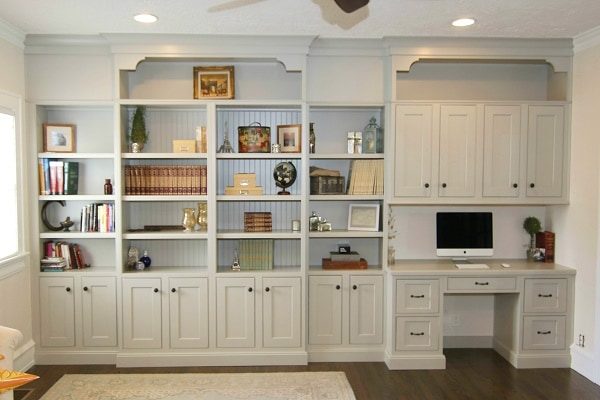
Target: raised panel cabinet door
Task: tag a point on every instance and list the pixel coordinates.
(417, 296)
(282, 313)
(142, 315)
(99, 308)
(325, 309)
(366, 309)
(417, 333)
(57, 309)
(412, 157)
(235, 312)
(458, 140)
(545, 296)
(501, 151)
(545, 151)
(188, 313)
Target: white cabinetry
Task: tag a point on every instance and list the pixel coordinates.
(366, 309)
(99, 311)
(57, 307)
(325, 309)
(142, 314)
(188, 313)
(282, 312)
(235, 312)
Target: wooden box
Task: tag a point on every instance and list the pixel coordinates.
(328, 264)
(545, 240)
(236, 191)
(327, 185)
(184, 146)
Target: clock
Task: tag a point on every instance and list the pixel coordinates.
(285, 176)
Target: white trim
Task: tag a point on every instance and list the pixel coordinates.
(210, 359)
(23, 357)
(583, 362)
(586, 40)
(12, 34)
(13, 265)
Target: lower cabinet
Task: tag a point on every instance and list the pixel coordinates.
(142, 316)
(245, 303)
(417, 333)
(334, 299)
(188, 313)
(58, 299)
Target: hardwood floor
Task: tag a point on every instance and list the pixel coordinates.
(470, 374)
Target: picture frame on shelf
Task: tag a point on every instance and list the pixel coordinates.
(289, 138)
(363, 217)
(59, 138)
(214, 82)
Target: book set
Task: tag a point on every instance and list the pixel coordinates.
(60, 256)
(58, 177)
(366, 177)
(165, 179)
(98, 217)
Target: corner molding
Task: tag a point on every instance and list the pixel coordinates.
(586, 40)
(12, 34)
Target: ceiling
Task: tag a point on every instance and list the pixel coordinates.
(505, 18)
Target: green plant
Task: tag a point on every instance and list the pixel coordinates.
(532, 226)
(138, 126)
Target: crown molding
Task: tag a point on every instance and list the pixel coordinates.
(12, 34)
(586, 40)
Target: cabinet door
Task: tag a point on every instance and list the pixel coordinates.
(235, 312)
(458, 139)
(57, 309)
(412, 157)
(502, 142)
(282, 312)
(188, 313)
(417, 333)
(99, 308)
(325, 309)
(142, 313)
(366, 309)
(545, 151)
(417, 296)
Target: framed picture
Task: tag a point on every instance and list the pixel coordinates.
(59, 138)
(289, 138)
(214, 82)
(363, 217)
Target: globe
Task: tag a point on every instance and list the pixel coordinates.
(285, 176)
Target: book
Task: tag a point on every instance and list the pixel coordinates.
(71, 177)
(54, 176)
(47, 185)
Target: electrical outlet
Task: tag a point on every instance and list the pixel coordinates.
(581, 340)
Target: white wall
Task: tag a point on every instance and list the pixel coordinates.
(577, 224)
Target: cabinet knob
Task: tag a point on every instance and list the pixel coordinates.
(267, 289)
(338, 287)
(250, 289)
(354, 287)
(515, 185)
(426, 185)
(85, 289)
(444, 185)
(155, 290)
(532, 185)
(68, 289)
(173, 290)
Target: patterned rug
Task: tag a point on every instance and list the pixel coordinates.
(246, 386)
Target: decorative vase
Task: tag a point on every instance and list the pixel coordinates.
(137, 147)
(189, 219)
(146, 259)
(202, 216)
(391, 255)
(312, 139)
(108, 188)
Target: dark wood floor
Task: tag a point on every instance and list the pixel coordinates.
(470, 374)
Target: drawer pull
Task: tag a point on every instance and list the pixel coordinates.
(544, 295)
(482, 283)
(417, 296)
(544, 332)
(417, 334)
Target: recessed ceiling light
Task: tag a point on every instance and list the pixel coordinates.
(463, 22)
(146, 18)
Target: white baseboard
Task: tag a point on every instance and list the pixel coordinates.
(559, 359)
(210, 359)
(437, 361)
(468, 342)
(74, 357)
(24, 356)
(346, 355)
(583, 362)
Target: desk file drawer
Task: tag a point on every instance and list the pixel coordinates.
(417, 333)
(414, 296)
(546, 295)
(544, 333)
(482, 283)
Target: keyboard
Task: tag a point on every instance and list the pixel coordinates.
(472, 266)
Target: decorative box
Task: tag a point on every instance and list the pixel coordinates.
(545, 240)
(184, 146)
(327, 185)
(244, 184)
(258, 222)
(254, 139)
(327, 263)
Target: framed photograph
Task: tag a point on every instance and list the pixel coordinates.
(289, 138)
(214, 82)
(363, 217)
(59, 138)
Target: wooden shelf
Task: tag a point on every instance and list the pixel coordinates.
(266, 197)
(342, 233)
(77, 197)
(163, 156)
(235, 234)
(77, 235)
(167, 235)
(148, 198)
(69, 156)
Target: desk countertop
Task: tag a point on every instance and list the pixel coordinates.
(447, 267)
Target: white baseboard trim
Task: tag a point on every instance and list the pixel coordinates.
(533, 360)
(346, 355)
(74, 357)
(209, 359)
(583, 362)
(437, 361)
(24, 356)
(468, 342)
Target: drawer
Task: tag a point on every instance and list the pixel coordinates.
(481, 283)
(417, 333)
(544, 333)
(545, 295)
(414, 296)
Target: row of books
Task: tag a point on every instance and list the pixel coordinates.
(366, 177)
(165, 179)
(58, 177)
(256, 254)
(60, 256)
(97, 217)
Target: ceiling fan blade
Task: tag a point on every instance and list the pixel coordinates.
(231, 4)
(349, 6)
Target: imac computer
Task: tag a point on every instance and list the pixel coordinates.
(464, 234)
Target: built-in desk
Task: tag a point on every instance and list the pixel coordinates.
(533, 311)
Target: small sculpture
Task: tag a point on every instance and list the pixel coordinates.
(66, 224)
(226, 147)
(235, 264)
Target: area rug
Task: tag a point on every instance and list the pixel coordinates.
(230, 386)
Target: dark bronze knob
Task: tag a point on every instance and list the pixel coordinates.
(354, 287)
(532, 185)
(267, 289)
(338, 287)
(68, 289)
(426, 185)
(155, 290)
(85, 289)
(173, 290)
(515, 185)
(444, 185)
(250, 289)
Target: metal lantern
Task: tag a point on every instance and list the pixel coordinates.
(372, 141)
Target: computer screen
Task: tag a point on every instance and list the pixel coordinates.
(464, 234)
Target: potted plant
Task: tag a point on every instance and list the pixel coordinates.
(138, 135)
(532, 226)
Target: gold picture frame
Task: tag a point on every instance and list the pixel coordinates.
(59, 138)
(289, 138)
(214, 82)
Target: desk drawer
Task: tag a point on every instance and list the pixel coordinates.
(481, 283)
(414, 296)
(546, 295)
(417, 333)
(544, 333)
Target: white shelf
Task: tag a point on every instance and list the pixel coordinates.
(68, 156)
(77, 235)
(341, 233)
(369, 270)
(259, 103)
(74, 103)
(345, 156)
(167, 103)
(162, 269)
(170, 156)
(334, 105)
(77, 197)
(93, 270)
(258, 235)
(277, 270)
(195, 197)
(245, 156)
(345, 197)
(267, 197)
(202, 103)
(165, 235)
